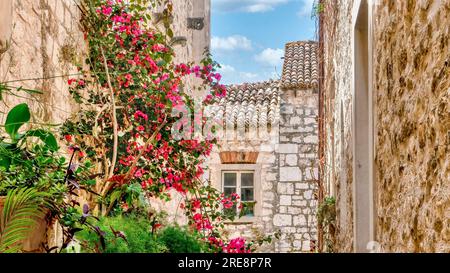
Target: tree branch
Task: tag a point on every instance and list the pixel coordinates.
(114, 117)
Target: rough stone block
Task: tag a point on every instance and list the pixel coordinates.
(285, 188)
(299, 220)
(290, 174)
(288, 148)
(285, 200)
(291, 160)
(311, 139)
(310, 121)
(300, 203)
(295, 121)
(308, 194)
(281, 220)
(301, 185)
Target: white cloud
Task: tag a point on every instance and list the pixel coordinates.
(232, 76)
(226, 69)
(270, 57)
(231, 43)
(252, 6)
(248, 76)
(306, 9)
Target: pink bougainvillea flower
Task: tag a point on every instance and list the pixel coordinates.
(106, 10)
(68, 138)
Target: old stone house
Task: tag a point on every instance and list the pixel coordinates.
(268, 152)
(385, 123)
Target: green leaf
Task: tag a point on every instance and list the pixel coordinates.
(47, 137)
(17, 117)
(21, 209)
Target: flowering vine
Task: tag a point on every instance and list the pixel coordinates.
(126, 95)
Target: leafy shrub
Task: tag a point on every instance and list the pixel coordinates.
(133, 234)
(123, 234)
(181, 240)
(26, 163)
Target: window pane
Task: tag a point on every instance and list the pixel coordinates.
(229, 191)
(229, 179)
(247, 179)
(248, 209)
(247, 194)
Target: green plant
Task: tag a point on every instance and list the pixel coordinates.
(122, 234)
(130, 93)
(21, 209)
(181, 240)
(27, 163)
(326, 215)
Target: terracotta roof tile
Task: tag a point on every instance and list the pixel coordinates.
(249, 105)
(300, 69)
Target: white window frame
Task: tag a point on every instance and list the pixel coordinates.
(239, 187)
(217, 171)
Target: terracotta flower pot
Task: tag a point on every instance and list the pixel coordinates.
(34, 242)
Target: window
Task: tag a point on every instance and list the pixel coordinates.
(245, 180)
(242, 183)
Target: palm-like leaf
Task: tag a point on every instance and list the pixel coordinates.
(21, 210)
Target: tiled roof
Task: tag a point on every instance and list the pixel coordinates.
(300, 69)
(249, 105)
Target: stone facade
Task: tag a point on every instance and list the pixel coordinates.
(286, 169)
(337, 171)
(197, 39)
(408, 65)
(296, 186)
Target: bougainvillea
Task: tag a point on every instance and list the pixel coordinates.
(126, 96)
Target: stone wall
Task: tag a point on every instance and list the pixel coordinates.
(267, 161)
(46, 42)
(412, 85)
(197, 39)
(411, 92)
(338, 105)
(289, 167)
(296, 204)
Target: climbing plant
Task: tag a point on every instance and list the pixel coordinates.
(326, 216)
(129, 88)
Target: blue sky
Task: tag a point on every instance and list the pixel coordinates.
(248, 36)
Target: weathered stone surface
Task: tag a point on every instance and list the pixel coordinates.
(290, 174)
(285, 188)
(285, 200)
(282, 220)
(411, 86)
(300, 220)
(288, 148)
(291, 160)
